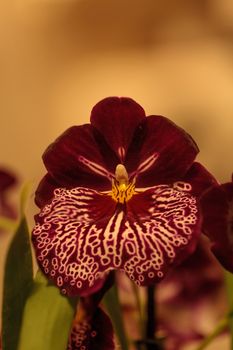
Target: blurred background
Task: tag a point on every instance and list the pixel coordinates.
(59, 57)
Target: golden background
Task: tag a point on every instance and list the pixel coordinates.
(58, 58)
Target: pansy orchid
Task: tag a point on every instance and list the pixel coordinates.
(217, 206)
(120, 193)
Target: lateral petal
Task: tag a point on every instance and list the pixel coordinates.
(74, 159)
(165, 152)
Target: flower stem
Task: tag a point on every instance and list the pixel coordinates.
(150, 327)
(221, 326)
(150, 342)
(151, 320)
(139, 309)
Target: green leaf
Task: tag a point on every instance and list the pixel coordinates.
(229, 289)
(141, 317)
(111, 301)
(25, 192)
(227, 321)
(47, 317)
(17, 283)
(7, 224)
(220, 328)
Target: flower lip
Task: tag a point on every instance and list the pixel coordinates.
(83, 234)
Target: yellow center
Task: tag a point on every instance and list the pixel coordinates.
(122, 190)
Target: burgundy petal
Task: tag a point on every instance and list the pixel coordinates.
(93, 333)
(6, 180)
(116, 119)
(200, 179)
(82, 234)
(217, 207)
(74, 159)
(44, 192)
(165, 152)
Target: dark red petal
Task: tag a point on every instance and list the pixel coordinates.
(93, 334)
(6, 180)
(44, 192)
(74, 159)
(165, 152)
(200, 179)
(116, 118)
(217, 207)
(82, 235)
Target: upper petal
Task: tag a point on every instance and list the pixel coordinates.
(74, 159)
(117, 118)
(163, 152)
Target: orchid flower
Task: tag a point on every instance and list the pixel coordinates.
(120, 193)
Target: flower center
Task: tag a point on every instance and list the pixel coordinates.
(122, 189)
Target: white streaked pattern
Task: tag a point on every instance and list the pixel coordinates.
(121, 153)
(75, 248)
(96, 168)
(145, 165)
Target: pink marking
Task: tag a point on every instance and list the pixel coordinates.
(145, 165)
(121, 152)
(98, 169)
